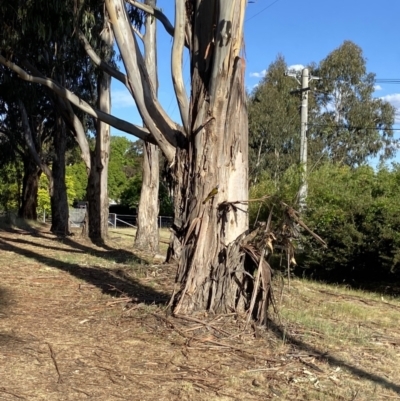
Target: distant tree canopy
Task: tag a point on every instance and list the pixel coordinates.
(346, 123)
(350, 205)
(355, 210)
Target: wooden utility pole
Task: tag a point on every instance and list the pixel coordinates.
(303, 139)
(305, 80)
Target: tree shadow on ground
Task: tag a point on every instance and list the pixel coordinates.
(108, 253)
(6, 339)
(375, 280)
(111, 282)
(35, 244)
(332, 360)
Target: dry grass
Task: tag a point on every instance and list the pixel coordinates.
(85, 322)
(126, 237)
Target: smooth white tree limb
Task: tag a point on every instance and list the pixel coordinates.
(156, 12)
(176, 63)
(163, 129)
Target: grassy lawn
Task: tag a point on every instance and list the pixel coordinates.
(78, 322)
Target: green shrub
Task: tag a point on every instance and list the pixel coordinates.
(355, 210)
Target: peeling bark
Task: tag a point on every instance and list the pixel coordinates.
(211, 264)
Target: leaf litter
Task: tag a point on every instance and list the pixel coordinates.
(78, 322)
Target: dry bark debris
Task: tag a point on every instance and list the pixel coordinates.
(116, 345)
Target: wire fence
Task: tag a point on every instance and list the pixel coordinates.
(77, 219)
(126, 220)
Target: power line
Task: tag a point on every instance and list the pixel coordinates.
(387, 80)
(261, 11)
(352, 127)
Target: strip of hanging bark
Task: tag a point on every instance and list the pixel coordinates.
(255, 289)
(53, 357)
(294, 215)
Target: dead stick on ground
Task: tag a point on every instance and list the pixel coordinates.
(53, 357)
(81, 391)
(207, 324)
(3, 390)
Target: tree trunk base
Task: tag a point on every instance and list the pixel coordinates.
(240, 283)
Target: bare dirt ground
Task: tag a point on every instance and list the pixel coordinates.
(81, 322)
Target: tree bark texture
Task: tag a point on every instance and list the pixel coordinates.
(210, 274)
(30, 185)
(59, 200)
(147, 236)
(209, 155)
(97, 192)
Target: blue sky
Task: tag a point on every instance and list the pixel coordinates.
(302, 33)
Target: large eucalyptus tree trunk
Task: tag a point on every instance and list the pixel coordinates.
(97, 192)
(205, 228)
(147, 236)
(59, 201)
(210, 152)
(210, 271)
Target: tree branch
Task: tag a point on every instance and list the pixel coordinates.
(115, 122)
(138, 33)
(113, 72)
(31, 146)
(164, 130)
(69, 116)
(176, 63)
(156, 12)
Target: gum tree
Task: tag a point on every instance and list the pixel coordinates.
(207, 153)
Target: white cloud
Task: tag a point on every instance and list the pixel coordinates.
(258, 74)
(295, 67)
(394, 100)
(292, 68)
(378, 87)
(121, 99)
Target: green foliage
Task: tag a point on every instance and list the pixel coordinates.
(352, 124)
(76, 178)
(44, 202)
(10, 182)
(346, 123)
(355, 210)
(123, 170)
(130, 196)
(274, 122)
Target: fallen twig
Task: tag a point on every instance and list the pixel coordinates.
(81, 391)
(3, 390)
(53, 357)
(207, 324)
